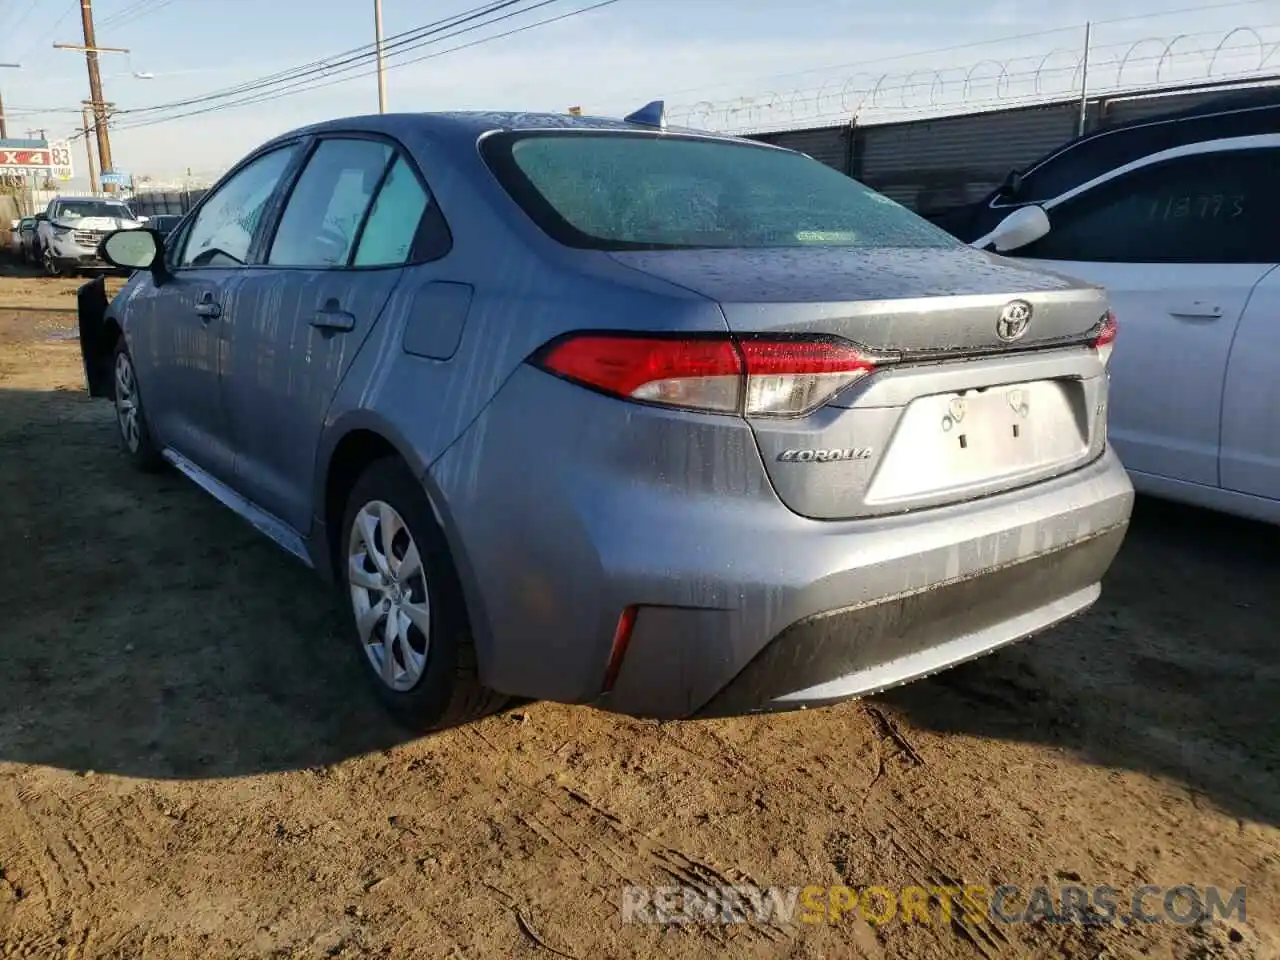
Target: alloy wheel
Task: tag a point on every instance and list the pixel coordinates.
(127, 403)
(389, 595)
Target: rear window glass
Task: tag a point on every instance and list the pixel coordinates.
(618, 191)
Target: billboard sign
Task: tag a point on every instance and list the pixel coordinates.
(26, 157)
(60, 160)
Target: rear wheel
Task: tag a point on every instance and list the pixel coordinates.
(404, 604)
(131, 418)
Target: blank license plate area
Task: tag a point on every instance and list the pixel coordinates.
(979, 437)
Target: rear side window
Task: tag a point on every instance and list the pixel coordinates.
(624, 191)
(393, 222)
(1207, 208)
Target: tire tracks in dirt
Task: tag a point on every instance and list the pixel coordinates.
(922, 848)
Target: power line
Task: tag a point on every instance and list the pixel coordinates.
(365, 53)
(129, 8)
(23, 19)
(269, 96)
(72, 8)
(135, 12)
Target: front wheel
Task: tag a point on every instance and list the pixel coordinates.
(404, 604)
(131, 419)
(51, 267)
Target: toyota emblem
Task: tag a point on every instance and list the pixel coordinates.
(1014, 320)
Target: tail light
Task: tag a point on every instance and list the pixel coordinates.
(621, 639)
(758, 377)
(1104, 337)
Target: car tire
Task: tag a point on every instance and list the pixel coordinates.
(132, 427)
(432, 681)
(50, 265)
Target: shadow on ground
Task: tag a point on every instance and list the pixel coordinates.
(1175, 671)
(144, 630)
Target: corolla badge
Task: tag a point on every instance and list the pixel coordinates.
(1013, 321)
(825, 456)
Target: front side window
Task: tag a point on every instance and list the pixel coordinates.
(624, 191)
(1206, 208)
(223, 229)
(322, 218)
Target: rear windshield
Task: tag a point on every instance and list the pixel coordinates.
(623, 191)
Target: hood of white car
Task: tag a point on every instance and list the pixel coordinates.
(100, 224)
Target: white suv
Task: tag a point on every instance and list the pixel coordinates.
(71, 228)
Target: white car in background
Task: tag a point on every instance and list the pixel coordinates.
(71, 228)
(1187, 242)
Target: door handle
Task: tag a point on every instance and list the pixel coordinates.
(332, 317)
(206, 309)
(1196, 310)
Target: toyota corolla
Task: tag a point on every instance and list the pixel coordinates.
(605, 412)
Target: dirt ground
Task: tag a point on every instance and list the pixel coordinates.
(190, 768)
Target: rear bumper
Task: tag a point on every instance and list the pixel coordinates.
(742, 604)
(864, 649)
(881, 607)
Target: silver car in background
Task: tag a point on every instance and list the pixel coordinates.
(609, 413)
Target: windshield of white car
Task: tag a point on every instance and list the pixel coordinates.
(630, 191)
(79, 209)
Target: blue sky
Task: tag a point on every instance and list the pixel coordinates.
(780, 52)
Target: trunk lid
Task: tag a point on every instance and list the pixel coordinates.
(890, 299)
(963, 412)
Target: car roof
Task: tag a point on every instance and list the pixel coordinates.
(471, 125)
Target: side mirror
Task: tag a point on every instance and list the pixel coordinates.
(136, 249)
(42, 218)
(1021, 227)
(1011, 185)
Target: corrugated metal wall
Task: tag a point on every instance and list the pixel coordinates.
(830, 145)
(1124, 110)
(935, 164)
(155, 202)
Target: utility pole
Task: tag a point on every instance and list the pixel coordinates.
(1084, 81)
(88, 150)
(95, 83)
(4, 123)
(96, 101)
(382, 72)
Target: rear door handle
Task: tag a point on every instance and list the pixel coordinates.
(1196, 310)
(207, 309)
(333, 317)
